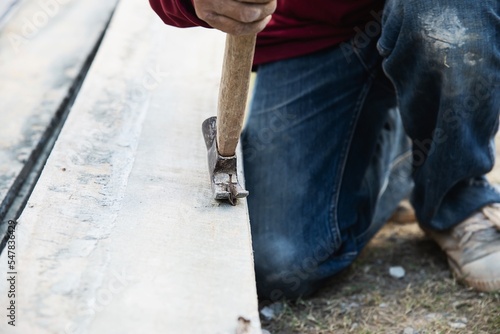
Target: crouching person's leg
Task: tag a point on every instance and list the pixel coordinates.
(321, 152)
(444, 60)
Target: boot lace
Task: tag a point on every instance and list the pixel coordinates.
(484, 226)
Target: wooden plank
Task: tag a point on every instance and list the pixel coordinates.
(43, 48)
(6, 8)
(121, 234)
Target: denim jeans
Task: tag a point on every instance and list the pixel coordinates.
(337, 138)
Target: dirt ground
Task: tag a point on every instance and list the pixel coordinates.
(367, 299)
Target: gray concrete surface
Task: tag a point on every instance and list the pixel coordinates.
(121, 234)
(43, 49)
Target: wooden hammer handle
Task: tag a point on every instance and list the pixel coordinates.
(238, 59)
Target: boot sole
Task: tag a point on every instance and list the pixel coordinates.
(480, 285)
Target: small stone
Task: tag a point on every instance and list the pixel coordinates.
(457, 325)
(272, 311)
(397, 272)
(353, 305)
(408, 330)
(267, 313)
(432, 316)
(383, 305)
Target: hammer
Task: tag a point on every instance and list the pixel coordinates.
(222, 133)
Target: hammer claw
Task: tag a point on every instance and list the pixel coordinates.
(223, 170)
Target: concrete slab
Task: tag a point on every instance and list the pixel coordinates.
(43, 48)
(6, 9)
(121, 234)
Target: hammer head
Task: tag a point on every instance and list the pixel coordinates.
(223, 173)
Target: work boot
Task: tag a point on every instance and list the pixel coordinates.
(473, 248)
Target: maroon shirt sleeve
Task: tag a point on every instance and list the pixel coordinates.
(298, 27)
(179, 13)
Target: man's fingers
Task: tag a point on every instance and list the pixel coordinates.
(237, 28)
(236, 17)
(243, 12)
(254, 1)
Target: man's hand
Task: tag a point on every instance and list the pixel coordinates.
(234, 16)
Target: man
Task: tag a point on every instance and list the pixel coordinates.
(326, 152)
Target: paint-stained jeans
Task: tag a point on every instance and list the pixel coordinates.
(326, 156)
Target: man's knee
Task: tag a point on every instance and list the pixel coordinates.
(285, 270)
(440, 27)
(286, 280)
